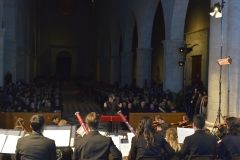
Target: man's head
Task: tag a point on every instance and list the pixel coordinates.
(92, 121)
(198, 122)
(111, 97)
(55, 119)
(233, 125)
(37, 123)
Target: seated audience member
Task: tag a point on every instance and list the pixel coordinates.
(148, 143)
(152, 108)
(63, 122)
(36, 146)
(55, 120)
(200, 143)
(94, 145)
(230, 144)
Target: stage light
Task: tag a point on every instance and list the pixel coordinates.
(224, 61)
(181, 63)
(217, 10)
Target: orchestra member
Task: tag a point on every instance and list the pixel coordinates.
(17, 125)
(55, 120)
(111, 108)
(222, 128)
(94, 145)
(63, 122)
(147, 142)
(230, 144)
(185, 123)
(36, 146)
(172, 139)
(200, 143)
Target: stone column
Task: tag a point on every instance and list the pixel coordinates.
(2, 32)
(114, 69)
(144, 56)
(172, 72)
(35, 62)
(27, 67)
(126, 68)
(233, 49)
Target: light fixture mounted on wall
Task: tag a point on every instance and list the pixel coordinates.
(186, 49)
(217, 9)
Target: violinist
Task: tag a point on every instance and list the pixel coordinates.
(18, 124)
(160, 120)
(185, 123)
(222, 128)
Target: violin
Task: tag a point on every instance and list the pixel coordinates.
(22, 125)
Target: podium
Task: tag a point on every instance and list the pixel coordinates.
(115, 119)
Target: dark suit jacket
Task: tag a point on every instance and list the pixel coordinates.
(94, 146)
(138, 147)
(35, 147)
(111, 109)
(229, 146)
(200, 143)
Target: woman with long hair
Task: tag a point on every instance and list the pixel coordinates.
(148, 143)
(172, 139)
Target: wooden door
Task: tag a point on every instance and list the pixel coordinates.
(196, 68)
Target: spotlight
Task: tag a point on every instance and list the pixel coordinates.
(182, 49)
(224, 61)
(217, 10)
(185, 49)
(181, 63)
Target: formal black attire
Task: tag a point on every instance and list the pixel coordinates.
(200, 143)
(35, 147)
(138, 147)
(229, 146)
(111, 110)
(95, 146)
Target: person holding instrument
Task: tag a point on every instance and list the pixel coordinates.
(36, 146)
(111, 108)
(148, 143)
(185, 123)
(94, 145)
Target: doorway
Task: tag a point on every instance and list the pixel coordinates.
(63, 63)
(196, 68)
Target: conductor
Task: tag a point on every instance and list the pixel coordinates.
(111, 108)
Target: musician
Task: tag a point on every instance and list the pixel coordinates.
(94, 145)
(147, 142)
(185, 123)
(200, 143)
(111, 108)
(17, 125)
(36, 146)
(222, 128)
(55, 120)
(230, 144)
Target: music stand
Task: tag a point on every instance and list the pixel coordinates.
(112, 119)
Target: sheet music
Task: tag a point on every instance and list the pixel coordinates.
(103, 133)
(130, 136)
(2, 141)
(10, 144)
(61, 137)
(116, 141)
(184, 132)
(125, 148)
(81, 131)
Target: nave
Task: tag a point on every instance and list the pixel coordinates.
(71, 105)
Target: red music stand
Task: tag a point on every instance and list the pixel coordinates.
(112, 119)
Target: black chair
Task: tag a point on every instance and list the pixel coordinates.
(150, 158)
(236, 157)
(202, 157)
